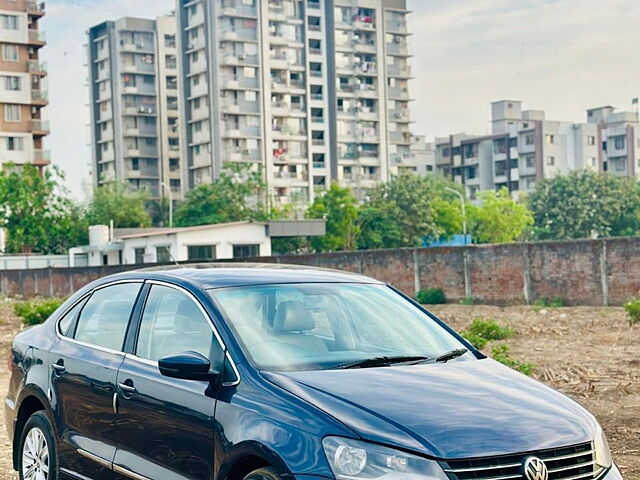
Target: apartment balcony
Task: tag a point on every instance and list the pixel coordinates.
(397, 49)
(365, 47)
(35, 9)
(230, 36)
(366, 69)
(367, 115)
(399, 28)
(131, 131)
(41, 157)
(401, 116)
(399, 93)
(399, 71)
(285, 178)
(364, 23)
(141, 151)
(237, 154)
(40, 127)
(137, 47)
(139, 67)
(240, 59)
(39, 96)
(403, 159)
(366, 92)
(283, 109)
(238, 10)
(36, 67)
(143, 110)
(285, 132)
(400, 138)
(37, 38)
(239, 83)
(279, 62)
(231, 108)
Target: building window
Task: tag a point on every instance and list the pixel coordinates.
(530, 162)
(170, 61)
(174, 184)
(591, 140)
(139, 255)
(593, 161)
(529, 139)
(169, 40)
(11, 113)
(15, 144)
(174, 164)
(551, 161)
(135, 164)
(9, 22)
(619, 143)
(11, 82)
(163, 254)
(201, 252)
(548, 138)
(246, 251)
(10, 53)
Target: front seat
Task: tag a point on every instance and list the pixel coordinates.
(190, 332)
(290, 324)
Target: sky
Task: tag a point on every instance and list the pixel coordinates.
(562, 56)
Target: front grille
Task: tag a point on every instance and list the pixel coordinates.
(567, 463)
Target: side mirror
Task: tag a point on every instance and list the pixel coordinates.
(186, 366)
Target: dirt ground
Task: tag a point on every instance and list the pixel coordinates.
(591, 354)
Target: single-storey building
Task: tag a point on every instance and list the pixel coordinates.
(203, 243)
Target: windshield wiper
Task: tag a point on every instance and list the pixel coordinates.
(380, 362)
(458, 352)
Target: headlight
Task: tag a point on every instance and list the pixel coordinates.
(603, 453)
(354, 460)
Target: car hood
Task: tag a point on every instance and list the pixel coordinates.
(461, 409)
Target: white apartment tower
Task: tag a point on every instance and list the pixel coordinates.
(23, 85)
(307, 91)
(134, 103)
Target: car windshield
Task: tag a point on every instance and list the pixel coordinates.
(326, 326)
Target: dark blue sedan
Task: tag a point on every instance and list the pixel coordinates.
(266, 373)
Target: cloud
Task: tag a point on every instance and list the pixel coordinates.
(562, 56)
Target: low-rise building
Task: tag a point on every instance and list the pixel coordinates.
(203, 243)
(524, 148)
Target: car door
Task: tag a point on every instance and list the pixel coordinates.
(84, 363)
(165, 424)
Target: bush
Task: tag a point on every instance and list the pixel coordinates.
(633, 310)
(555, 302)
(500, 353)
(470, 301)
(431, 296)
(481, 331)
(36, 311)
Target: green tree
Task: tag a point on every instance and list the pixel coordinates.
(498, 218)
(338, 207)
(236, 195)
(408, 209)
(114, 202)
(584, 204)
(37, 213)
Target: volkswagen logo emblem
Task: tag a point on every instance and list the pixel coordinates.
(535, 469)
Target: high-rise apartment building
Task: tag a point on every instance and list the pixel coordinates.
(23, 86)
(134, 102)
(306, 91)
(524, 148)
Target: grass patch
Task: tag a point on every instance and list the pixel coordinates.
(556, 302)
(482, 331)
(633, 310)
(431, 296)
(35, 312)
(501, 353)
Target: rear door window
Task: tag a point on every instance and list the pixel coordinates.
(105, 317)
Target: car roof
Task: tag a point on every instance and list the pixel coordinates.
(221, 275)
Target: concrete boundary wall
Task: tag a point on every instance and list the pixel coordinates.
(584, 272)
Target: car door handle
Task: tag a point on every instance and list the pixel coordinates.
(59, 367)
(127, 388)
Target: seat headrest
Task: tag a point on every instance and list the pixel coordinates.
(291, 316)
(113, 315)
(188, 318)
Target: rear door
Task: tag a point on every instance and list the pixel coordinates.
(84, 365)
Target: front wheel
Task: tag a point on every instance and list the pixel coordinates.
(38, 459)
(263, 474)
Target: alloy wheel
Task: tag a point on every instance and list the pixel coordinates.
(35, 456)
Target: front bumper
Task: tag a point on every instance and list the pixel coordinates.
(613, 474)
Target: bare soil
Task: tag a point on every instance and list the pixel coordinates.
(590, 354)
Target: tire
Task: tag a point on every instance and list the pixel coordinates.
(263, 474)
(37, 457)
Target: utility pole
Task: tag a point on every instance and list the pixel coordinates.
(162, 184)
(464, 213)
